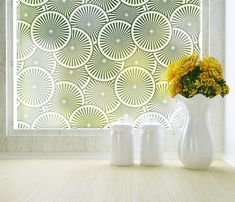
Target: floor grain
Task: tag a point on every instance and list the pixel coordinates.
(87, 180)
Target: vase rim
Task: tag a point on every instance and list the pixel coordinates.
(198, 98)
(197, 95)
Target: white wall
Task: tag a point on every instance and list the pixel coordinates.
(230, 77)
(215, 47)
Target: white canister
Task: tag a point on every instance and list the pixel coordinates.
(152, 144)
(122, 144)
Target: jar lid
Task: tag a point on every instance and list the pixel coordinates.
(155, 126)
(121, 123)
(151, 123)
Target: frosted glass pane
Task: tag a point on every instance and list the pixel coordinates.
(86, 64)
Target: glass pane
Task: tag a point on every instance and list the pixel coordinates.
(86, 64)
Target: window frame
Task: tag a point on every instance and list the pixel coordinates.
(20, 139)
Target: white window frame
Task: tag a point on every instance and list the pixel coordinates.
(20, 139)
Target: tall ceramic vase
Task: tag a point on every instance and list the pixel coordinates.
(195, 149)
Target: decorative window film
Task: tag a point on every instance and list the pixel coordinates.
(88, 63)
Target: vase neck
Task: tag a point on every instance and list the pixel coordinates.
(196, 108)
(196, 105)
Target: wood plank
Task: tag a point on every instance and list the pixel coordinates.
(90, 180)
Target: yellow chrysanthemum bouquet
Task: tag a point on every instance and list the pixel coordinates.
(189, 76)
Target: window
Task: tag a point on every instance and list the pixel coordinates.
(86, 64)
(92, 140)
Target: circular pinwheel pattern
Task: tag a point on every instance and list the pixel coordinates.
(160, 74)
(126, 13)
(115, 40)
(166, 7)
(134, 86)
(178, 119)
(34, 2)
(51, 31)
(127, 113)
(35, 86)
(151, 31)
(17, 3)
(152, 117)
(197, 48)
(41, 59)
(187, 17)
(17, 104)
(77, 76)
(88, 116)
(197, 2)
(19, 66)
(28, 114)
(134, 2)
(25, 45)
(161, 101)
(77, 52)
(88, 63)
(22, 125)
(28, 13)
(90, 18)
(65, 7)
(108, 6)
(102, 94)
(101, 68)
(67, 97)
(50, 120)
(142, 59)
(181, 45)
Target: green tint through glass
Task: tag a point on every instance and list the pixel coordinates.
(86, 64)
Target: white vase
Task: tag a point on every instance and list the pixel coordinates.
(195, 148)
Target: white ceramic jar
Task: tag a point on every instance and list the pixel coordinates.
(122, 144)
(152, 144)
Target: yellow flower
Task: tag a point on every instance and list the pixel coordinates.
(197, 83)
(175, 86)
(204, 76)
(190, 63)
(217, 89)
(181, 67)
(213, 67)
(171, 71)
(210, 82)
(192, 93)
(185, 78)
(215, 74)
(226, 90)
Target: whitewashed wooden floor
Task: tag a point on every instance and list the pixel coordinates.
(87, 180)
